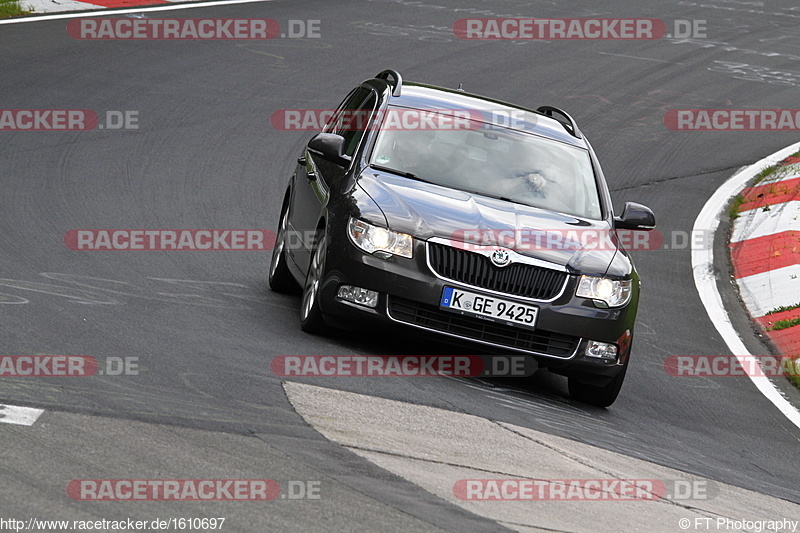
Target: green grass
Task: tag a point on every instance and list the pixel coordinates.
(770, 174)
(733, 210)
(773, 173)
(11, 8)
(764, 173)
(775, 170)
(783, 324)
(791, 367)
(783, 308)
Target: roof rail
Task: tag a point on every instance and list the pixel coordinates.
(563, 117)
(398, 80)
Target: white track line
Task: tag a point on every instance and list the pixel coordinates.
(23, 416)
(110, 11)
(703, 271)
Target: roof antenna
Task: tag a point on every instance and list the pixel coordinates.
(459, 87)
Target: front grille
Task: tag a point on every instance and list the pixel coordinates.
(431, 317)
(475, 269)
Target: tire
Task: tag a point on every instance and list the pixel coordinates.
(599, 396)
(280, 279)
(311, 318)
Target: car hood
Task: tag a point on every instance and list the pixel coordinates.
(469, 220)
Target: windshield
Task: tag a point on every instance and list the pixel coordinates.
(497, 162)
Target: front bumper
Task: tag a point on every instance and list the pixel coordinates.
(410, 292)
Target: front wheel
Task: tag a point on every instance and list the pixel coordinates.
(280, 279)
(600, 396)
(311, 319)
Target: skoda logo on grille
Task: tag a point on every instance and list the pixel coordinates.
(501, 257)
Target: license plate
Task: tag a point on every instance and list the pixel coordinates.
(489, 308)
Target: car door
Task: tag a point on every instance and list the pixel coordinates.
(315, 176)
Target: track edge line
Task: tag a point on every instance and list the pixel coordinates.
(703, 273)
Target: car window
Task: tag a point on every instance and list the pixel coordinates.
(351, 119)
(359, 127)
(497, 162)
(352, 101)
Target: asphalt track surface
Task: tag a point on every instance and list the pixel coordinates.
(204, 324)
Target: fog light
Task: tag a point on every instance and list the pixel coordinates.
(601, 350)
(357, 295)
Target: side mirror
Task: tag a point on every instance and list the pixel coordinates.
(330, 147)
(635, 216)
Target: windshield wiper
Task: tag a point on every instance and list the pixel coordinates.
(413, 176)
(504, 198)
(403, 173)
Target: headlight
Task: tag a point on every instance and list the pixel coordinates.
(373, 239)
(612, 292)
